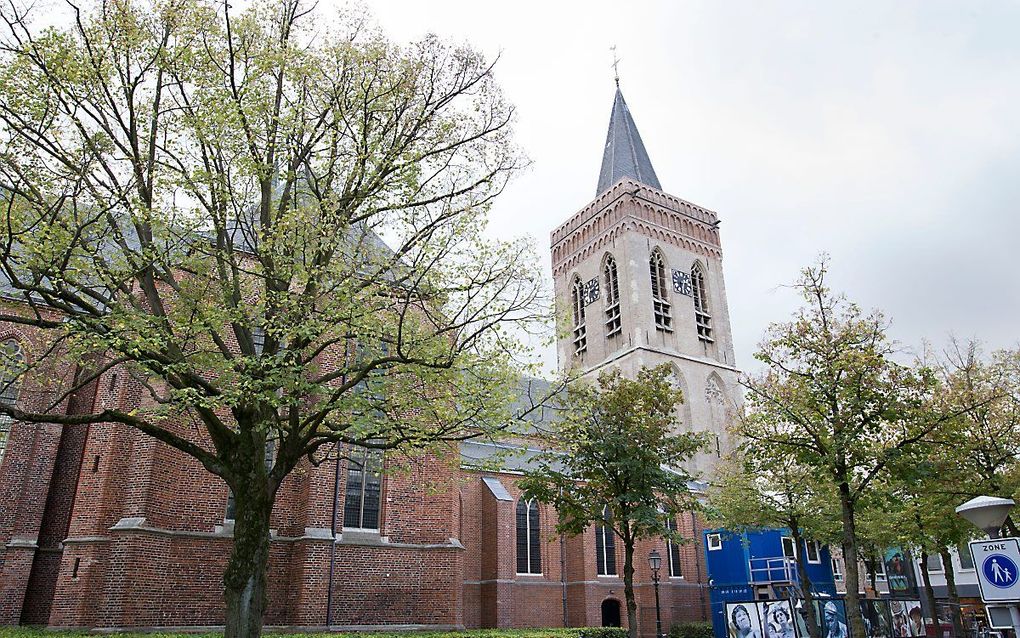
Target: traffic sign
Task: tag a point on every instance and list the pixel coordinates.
(998, 569)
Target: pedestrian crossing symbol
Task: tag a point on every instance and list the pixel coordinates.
(1000, 571)
(998, 563)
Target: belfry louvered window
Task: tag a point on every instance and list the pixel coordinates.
(613, 325)
(660, 301)
(12, 364)
(364, 488)
(673, 551)
(577, 307)
(702, 318)
(529, 548)
(605, 547)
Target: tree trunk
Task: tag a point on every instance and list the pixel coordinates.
(929, 593)
(853, 581)
(805, 581)
(628, 586)
(954, 598)
(872, 564)
(244, 580)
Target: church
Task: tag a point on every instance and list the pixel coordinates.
(103, 527)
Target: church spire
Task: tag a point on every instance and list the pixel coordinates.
(625, 154)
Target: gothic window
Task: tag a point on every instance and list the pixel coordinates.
(673, 551)
(613, 325)
(364, 487)
(577, 307)
(258, 339)
(529, 555)
(605, 547)
(660, 302)
(12, 364)
(702, 318)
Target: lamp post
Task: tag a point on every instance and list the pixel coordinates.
(987, 513)
(655, 561)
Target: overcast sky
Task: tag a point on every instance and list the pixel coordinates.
(885, 134)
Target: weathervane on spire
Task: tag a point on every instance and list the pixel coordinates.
(616, 62)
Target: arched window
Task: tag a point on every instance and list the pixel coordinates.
(364, 487)
(529, 549)
(613, 325)
(702, 318)
(673, 550)
(660, 301)
(577, 307)
(12, 364)
(605, 547)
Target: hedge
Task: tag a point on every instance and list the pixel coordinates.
(571, 632)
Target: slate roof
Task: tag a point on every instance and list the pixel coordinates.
(625, 154)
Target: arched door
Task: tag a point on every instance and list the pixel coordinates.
(610, 612)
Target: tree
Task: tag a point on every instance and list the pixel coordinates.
(199, 197)
(759, 488)
(833, 396)
(615, 460)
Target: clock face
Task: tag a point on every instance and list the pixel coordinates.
(682, 283)
(591, 291)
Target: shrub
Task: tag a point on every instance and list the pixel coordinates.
(691, 630)
(602, 632)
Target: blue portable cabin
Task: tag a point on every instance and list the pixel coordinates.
(757, 565)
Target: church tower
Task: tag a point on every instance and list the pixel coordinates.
(639, 281)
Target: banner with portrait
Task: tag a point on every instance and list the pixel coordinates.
(877, 622)
(777, 619)
(743, 620)
(899, 573)
(831, 616)
(907, 620)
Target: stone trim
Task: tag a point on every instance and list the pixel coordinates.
(23, 543)
(206, 629)
(136, 524)
(679, 355)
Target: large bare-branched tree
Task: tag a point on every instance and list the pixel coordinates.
(273, 220)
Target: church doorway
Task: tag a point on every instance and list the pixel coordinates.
(610, 612)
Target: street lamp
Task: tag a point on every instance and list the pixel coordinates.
(987, 513)
(655, 562)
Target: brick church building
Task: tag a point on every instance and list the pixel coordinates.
(103, 527)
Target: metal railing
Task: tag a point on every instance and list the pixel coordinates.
(765, 571)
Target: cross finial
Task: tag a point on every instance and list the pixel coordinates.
(616, 63)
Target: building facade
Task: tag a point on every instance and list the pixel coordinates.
(103, 527)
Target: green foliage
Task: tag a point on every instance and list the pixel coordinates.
(615, 460)
(615, 448)
(834, 399)
(197, 196)
(569, 632)
(691, 630)
(602, 632)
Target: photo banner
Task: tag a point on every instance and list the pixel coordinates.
(777, 619)
(743, 620)
(899, 573)
(831, 616)
(907, 620)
